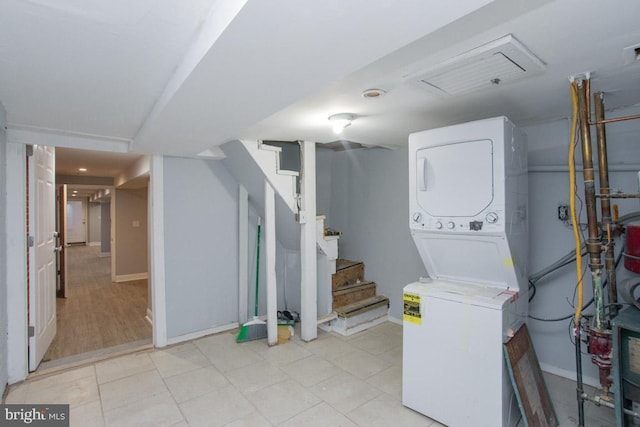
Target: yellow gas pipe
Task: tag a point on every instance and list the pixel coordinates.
(572, 201)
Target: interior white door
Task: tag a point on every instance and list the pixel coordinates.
(42, 287)
(76, 221)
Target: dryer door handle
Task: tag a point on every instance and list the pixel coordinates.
(422, 173)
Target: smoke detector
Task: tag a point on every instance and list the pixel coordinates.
(498, 62)
(373, 93)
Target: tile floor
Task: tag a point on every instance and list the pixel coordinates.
(213, 381)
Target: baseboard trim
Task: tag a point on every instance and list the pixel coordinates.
(95, 244)
(200, 334)
(394, 320)
(149, 316)
(131, 277)
(570, 375)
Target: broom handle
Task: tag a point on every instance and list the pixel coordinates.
(257, 268)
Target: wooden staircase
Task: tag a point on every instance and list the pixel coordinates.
(355, 301)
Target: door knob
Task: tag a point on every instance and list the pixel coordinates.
(57, 249)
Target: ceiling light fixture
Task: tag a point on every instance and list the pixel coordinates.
(341, 121)
(82, 169)
(373, 93)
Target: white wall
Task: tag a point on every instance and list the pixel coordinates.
(201, 245)
(3, 252)
(368, 202)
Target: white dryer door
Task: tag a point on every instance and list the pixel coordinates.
(455, 180)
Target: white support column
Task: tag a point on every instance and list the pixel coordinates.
(243, 253)
(156, 244)
(309, 267)
(270, 258)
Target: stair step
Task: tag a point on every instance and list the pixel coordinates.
(349, 287)
(347, 272)
(352, 293)
(358, 317)
(361, 307)
(345, 263)
(327, 318)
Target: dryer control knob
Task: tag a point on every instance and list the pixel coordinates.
(451, 225)
(438, 225)
(491, 217)
(417, 216)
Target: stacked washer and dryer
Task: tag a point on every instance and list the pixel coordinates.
(468, 219)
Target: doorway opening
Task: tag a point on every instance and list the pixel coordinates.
(103, 304)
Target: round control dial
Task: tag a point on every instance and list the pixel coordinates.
(438, 225)
(417, 216)
(491, 217)
(451, 225)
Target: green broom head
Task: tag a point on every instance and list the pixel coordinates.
(254, 329)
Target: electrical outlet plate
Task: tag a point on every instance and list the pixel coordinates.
(563, 212)
(631, 54)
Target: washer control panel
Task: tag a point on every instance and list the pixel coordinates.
(490, 221)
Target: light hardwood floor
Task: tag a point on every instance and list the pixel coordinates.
(97, 313)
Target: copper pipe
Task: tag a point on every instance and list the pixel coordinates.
(615, 119)
(593, 241)
(618, 196)
(605, 203)
(602, 120)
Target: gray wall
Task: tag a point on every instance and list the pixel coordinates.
(323, 180)
(549, 238)
(201, 245)
(94, 222)
(131, 231)
(105, 227)
(3, 254)
(368, 201)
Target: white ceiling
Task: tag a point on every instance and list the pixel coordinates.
(182, 77)
(99, 164)
(96, 163)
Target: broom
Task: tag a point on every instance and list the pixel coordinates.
(255, 329)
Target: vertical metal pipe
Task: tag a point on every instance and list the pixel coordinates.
(593, 241)
(579, 383)
(605, 203)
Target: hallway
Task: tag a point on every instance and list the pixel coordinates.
(97, 313)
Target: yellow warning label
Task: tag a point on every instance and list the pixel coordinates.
(507, 262)
(412, 309)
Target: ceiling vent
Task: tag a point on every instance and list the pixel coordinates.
(492, 64)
